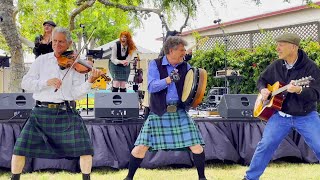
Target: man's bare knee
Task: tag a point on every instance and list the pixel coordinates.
(17, 164)
(86, 164)
(196, 149)
(139, 151)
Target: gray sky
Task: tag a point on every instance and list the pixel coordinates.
(230, 10)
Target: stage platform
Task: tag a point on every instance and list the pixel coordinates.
(227, 140)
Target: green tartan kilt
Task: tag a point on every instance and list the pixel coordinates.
(171, 131)
(53, 134)
(119, 73)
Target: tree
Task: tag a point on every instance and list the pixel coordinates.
(11, 35)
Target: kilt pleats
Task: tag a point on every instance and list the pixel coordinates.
(119, 73)
(52, 134)
(171, 131)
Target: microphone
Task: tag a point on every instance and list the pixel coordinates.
(217, 21)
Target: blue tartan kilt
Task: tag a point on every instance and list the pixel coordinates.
(171, 131)
(118, 72)
(53, 134)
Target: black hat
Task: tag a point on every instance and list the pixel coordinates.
(50, 23)
(289, 37)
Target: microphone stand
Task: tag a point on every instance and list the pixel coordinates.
(163, 36)
(225, 40)
(86, 49)
(163, 27)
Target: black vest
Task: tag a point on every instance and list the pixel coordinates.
(119, 57)
(158, 103)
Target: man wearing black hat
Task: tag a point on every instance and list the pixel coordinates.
(299, 108)
(42, 43)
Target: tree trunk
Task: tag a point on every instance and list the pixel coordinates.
(11, 35)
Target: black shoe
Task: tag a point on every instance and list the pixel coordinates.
(15, 177)
(127, 178)
(203, 179)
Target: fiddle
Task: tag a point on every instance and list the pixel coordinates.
(86, 64)
(66, 60)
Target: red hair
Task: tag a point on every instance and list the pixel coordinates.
(131, 46)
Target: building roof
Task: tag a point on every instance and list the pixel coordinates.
(107, 49)
(248, 19)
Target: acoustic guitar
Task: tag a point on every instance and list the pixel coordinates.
(265, 109)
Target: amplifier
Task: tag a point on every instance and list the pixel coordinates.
(16, 105)
(116, 105)
(237, 105)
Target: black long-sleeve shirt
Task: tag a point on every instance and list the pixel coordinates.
(40, 48)
(294, 104)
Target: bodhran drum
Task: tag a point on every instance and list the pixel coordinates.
(194, 87)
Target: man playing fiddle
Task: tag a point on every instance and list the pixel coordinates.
(54, 129)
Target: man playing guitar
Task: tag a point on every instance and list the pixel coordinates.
(299, 108)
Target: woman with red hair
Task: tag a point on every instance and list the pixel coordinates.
(121, 56)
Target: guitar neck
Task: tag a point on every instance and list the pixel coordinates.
(280, 90)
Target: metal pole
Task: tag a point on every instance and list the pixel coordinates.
(225, 39)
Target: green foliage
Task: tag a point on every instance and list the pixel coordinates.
(253, 64)
(212, 61)
(312, 48)
(109, 22)
(3, 44)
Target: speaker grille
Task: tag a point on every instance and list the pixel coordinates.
(237, 105)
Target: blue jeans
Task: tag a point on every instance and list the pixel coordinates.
(276, 130)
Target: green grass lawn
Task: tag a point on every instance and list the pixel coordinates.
(276, 171)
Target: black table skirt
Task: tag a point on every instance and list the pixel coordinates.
(227, 141)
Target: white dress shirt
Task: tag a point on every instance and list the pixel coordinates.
(114, 57)
(46, 67)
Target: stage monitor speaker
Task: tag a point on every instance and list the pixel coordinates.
(16, 105)
(237, 105)
(116, 105)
